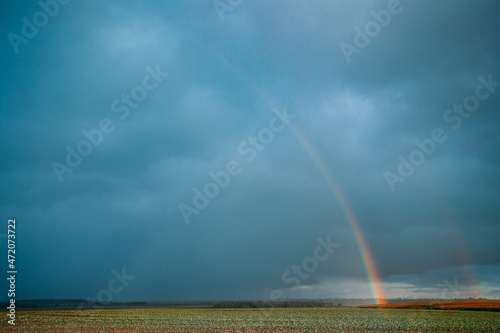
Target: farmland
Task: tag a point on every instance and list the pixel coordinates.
(471, 306)
(255, 320)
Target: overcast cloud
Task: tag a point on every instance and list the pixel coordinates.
(230, 80)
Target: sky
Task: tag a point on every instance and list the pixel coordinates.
(216, 150)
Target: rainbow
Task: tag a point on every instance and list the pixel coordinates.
(468, 273)
(362, 245)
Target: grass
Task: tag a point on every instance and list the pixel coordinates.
(471, 306)
(255, 320)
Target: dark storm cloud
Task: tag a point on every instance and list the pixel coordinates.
(120, 206)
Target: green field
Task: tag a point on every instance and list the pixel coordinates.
(255, 320)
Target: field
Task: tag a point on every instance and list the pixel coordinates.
(472, 306)
(255, 320)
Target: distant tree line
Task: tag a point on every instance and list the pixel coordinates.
(274, 304)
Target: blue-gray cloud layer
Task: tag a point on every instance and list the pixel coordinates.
(120, 206)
